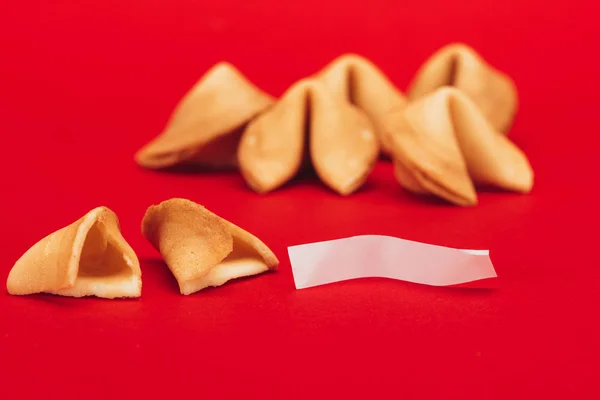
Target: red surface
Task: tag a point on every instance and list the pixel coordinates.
(82, 86)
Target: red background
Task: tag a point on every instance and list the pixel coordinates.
(83, 85)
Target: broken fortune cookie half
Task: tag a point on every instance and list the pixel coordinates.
(205, 127)
(444, 145)
(202, 249)
(459, 66)
(341, 141)
(87, 258)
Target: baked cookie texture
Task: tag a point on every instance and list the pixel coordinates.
(206, 125)
(443, 135)
(309, 122)
(202, 249)
(443, 145)
(460, 66)
(358, 81)
(89, 257)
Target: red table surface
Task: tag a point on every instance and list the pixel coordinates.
(83, 85)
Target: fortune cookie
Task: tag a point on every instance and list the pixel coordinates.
(87, 258)
(205, 127)
(460, 66)
(342, 144)
(202, 249)
(357, 80)
(443, 145)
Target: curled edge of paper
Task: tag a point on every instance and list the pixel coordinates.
(378, 256)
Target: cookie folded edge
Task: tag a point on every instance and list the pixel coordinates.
(206, 125)
(89, 257)
(202, 249)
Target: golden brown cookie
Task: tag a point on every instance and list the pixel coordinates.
(443, 145)
(341, 141)
(87, 258)
(357, 80)
(459, 66)
(205, 127)
(202, 249)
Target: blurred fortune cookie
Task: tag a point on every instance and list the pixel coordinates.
(358, 81)
(87, 258)
(205, 127)
(459, 66)
(202, 249)
(443, 145)
(340, 118)
(341, 141)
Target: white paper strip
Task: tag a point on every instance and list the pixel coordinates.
(386, 257)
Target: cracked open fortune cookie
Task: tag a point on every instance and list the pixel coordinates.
(87, 258)
(459, 66)
(202, 249)
(205, 127)
(342, 144)
(443, 145)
